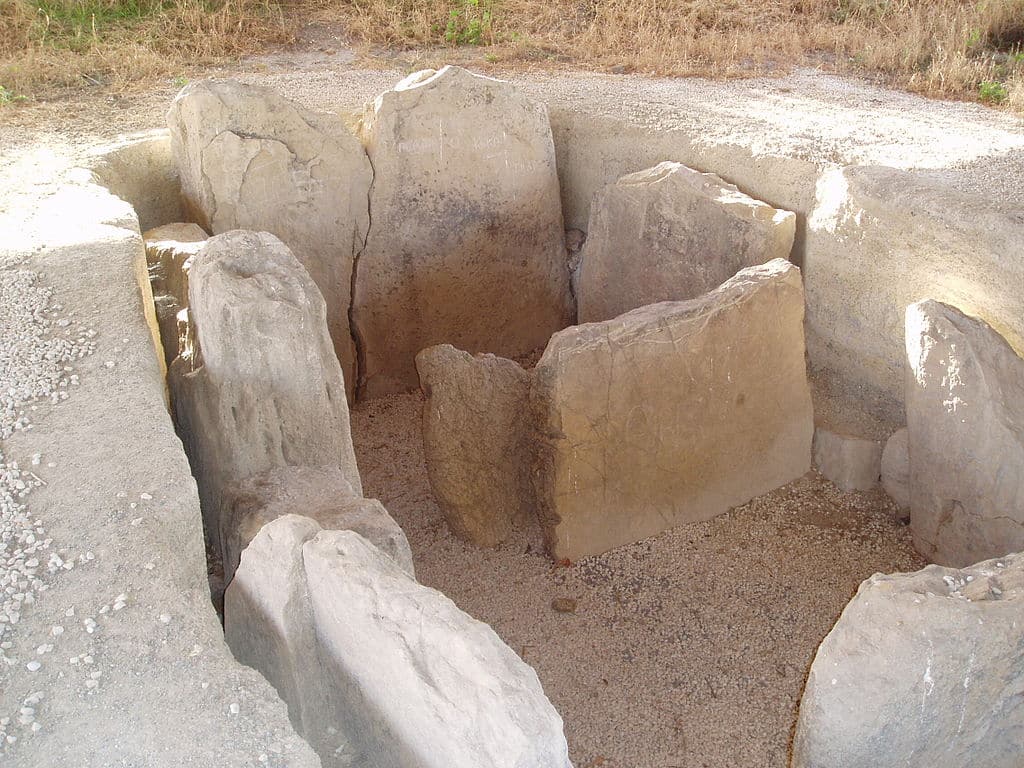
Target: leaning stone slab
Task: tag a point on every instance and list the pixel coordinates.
(467, 245)
(476, 440)
(466, 700)
(168, 250)
(673, 412)
(671, 233)
(322, 494)
(250, 159)
(257, 385)
(924, 670)
(878, 240)
(965, 426)
(852, 463)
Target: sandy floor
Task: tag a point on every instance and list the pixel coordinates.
(687, 649)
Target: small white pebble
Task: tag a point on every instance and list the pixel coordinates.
(33, 666)
(165, 618)
(57, 631)
(146, 496)
(233, 708)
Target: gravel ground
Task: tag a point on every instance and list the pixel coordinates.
(687, 649)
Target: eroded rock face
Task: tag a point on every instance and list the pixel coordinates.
(257, 385)
(879, 240)
(467, 245)
(965, 425)
(168, 250)
(852, 463)
(366, 630)
(896, 470)
(923, 669)
(671, 233)
(476, 440)
(467, 700)
(673, 412)
(250, 159)
(322, 494)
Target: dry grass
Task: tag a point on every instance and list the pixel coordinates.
(50, 44)
(938, 47)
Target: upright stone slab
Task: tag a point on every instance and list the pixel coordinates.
(421, 683)
(268, 624)
(673, 412)
(250, 159)
(467, 245)
(257, 385)
(168, 250)
(880, 239)
(322, 494)
(924, 670)
(671, 233)
(965, 426)
(476, 440)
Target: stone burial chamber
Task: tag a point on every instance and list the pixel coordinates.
(427, 245)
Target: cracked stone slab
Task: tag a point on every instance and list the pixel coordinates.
(477, 438)
(257, 385)
(922, 669)
(671, 233)
(965, 427)
(852, 463)
(251, 159)
(672, 413)
(467, 243)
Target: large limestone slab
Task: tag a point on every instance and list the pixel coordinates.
(896, 470)
(671, 233)
(672, 413)
(476, 441)
(250, 159)
(467, 244)
(881, 239)
(466, 699)
(268, 624)
(965, 426)
(322, 494)
(168, 250)
(257, 385)
(923, 669)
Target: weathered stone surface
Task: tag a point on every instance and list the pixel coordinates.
(852, 463)
(250, 159)
(257, 385)
(168, 250)
(322, 494)
(466, 699)
(670, 233)
(896, 469)
(965, 424)
(673, 412)
(467, 245)
(881, 239)
(476, 440)
(922, 669)
(268, 624)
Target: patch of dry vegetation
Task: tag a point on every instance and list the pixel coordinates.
(936, 47)
(47, 44)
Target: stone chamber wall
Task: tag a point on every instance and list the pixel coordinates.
(871, 243)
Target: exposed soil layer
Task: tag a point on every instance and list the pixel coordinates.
(687, 649)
